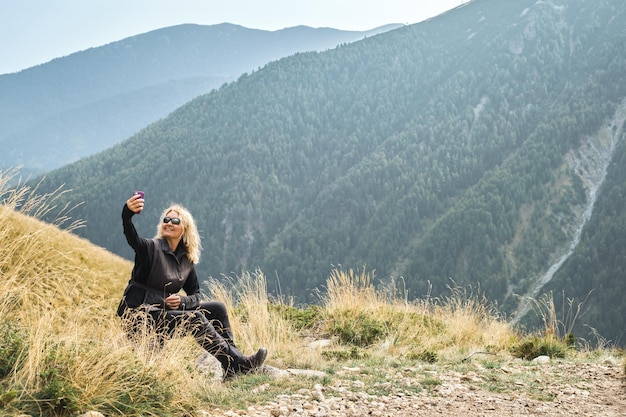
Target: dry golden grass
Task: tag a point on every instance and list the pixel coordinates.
(451, 326)
(60, 292)
(253, 323)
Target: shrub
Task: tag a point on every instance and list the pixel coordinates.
(424, 356)
(58, 396)
(531, 347)
(6, 396)
(358, 330)
(308, 318)
(11, 345)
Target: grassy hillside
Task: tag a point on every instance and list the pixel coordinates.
(62, 350)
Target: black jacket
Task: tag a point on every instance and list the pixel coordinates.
(158, 272)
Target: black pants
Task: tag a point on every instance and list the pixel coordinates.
(208, 324)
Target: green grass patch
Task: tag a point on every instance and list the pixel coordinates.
(310, 317)
(531, 347)
(12, 341)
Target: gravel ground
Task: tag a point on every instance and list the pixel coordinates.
(552, 388)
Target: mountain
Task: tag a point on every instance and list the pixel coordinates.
(477, 149)
(71, 107)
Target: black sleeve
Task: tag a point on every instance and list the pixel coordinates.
(138, 244)
(143, 257)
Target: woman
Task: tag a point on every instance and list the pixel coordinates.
(163, 267)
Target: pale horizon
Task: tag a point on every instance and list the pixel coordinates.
(35, 32)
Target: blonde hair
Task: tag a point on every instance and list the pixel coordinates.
(191, 237)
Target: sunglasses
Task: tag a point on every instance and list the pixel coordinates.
(174, 220)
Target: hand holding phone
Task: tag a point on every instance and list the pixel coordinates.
(141, 197)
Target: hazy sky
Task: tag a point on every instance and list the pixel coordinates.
(35, 31)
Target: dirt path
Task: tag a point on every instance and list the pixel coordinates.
(519, 389)
(568, 390)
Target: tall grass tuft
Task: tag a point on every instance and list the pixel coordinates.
(254, 322)
(423, 329)
(556, 336)
(17, 196)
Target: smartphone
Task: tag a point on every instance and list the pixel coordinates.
(140, 193)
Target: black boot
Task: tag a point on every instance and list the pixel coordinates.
(234, 363)
(230, 358)
(253, 362)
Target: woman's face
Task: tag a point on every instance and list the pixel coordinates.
(169, 229)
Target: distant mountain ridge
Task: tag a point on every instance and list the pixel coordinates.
(55, 113)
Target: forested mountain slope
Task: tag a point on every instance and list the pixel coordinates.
(454, 151)
(55, 113)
